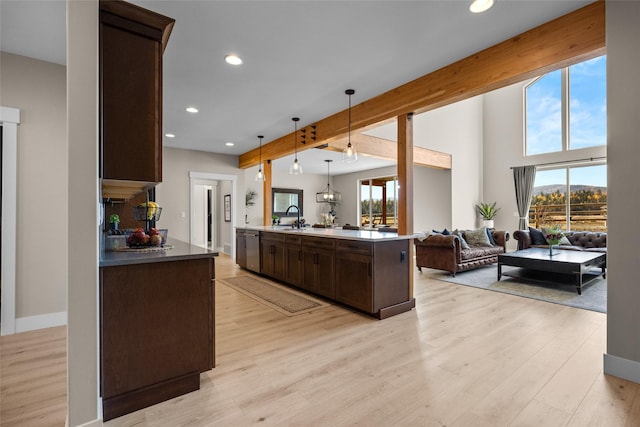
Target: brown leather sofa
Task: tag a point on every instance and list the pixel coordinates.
(444, 252)
(591, 241)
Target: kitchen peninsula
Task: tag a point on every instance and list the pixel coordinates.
(363, 269)
(156, 324)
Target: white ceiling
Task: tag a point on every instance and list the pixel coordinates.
(299, 57)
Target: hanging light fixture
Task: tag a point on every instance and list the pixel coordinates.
(328, 195)
(260, 176)
(295, 168)
(349, 154)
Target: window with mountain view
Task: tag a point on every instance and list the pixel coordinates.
(584, 209)
(567, 109)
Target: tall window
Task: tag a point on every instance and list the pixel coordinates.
(584, 209)
(567, 109)
(378, 201)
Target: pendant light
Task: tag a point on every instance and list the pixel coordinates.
(260, 176)
(349, 154)
(295, 168)
(328, 195)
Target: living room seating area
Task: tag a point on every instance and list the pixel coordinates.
(460, 250)
(591, 241)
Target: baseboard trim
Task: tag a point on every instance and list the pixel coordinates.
(42, 321)
(622, 368)
(93, 423)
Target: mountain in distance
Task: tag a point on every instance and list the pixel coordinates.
(552, 188)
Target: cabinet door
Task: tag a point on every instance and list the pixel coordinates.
(354, 280)
(294, 265)
(272, 256)
(279, 261)
(241, 249)
(131, 103)
(319, 271)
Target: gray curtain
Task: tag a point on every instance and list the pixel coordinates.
(523, 178)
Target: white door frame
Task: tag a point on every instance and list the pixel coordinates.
(9, 119)
(196, 176)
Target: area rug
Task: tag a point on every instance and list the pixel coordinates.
(280, 298)
(594, 295)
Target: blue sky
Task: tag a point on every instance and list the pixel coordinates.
(587, 108)
(587, 175)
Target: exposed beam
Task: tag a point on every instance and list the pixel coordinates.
(567, 40)
(267, 208)
(388, 150)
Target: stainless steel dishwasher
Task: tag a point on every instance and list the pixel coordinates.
(253, 250)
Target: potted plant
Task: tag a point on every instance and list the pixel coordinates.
(114, 220)
(487, 211)
(249, 200)
(275, 219)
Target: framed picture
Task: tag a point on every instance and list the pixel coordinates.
(227, 208)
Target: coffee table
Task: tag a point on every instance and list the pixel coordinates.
(566, 262)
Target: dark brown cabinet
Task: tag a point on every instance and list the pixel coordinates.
(241, 248)
(294, 262)
(318, 258)
(132, 41)
(272, 255)
(156, 331)
(354, 274)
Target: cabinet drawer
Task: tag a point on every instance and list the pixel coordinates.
(272, 237)
(354, 246)
(293, 240)
(318, 242)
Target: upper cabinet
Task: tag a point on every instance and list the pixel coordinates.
(132, 41)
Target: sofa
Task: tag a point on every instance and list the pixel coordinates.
(591, 241)
(446, 252)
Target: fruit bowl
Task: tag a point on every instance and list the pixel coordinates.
(144, 213)
(141, 238)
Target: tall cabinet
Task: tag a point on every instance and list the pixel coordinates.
(132, 41)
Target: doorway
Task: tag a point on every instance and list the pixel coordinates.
(204, 233)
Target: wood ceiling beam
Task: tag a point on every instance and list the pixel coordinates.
(388, 150)
(567, 40)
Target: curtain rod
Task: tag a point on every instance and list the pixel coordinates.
(590, 159)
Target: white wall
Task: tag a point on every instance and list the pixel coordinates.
(431, 196)
(623, 115)
(173, 193)
(38, 89)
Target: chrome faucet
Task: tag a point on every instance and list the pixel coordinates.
(298, 210)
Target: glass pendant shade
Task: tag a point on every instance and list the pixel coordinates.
(296, 168)
(260, 176)
(349, 154)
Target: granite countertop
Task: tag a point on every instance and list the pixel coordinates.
(176, 250)
(335, 233)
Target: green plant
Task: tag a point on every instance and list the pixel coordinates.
(250, 198)
(275, 217)
(114, 219)
(487, 210)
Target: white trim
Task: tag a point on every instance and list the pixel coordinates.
(9, 119)
(93, 423)
(194, 177)
(622, 368)
(41, 321)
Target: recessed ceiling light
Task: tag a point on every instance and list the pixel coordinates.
(233, 59)
(229, 144)
(169, 135)
(478, 6)
(192, 109)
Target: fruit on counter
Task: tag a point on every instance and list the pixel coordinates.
(138, 238)
(151, 207)
(153, 231)
(156, 240)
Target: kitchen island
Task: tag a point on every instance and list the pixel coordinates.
(156, 324)
(366, 270)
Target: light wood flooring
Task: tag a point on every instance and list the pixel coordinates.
(462, 357)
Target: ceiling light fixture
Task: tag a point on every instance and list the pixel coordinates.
(192, 110)
(260, 176)
(169, 135)
(349, 154)
(233, 59)
(329, 195)
(229, 144)
(295, 168)
(479, 6)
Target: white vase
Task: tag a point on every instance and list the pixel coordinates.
(487, 223)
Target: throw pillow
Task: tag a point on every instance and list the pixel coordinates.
(563, 240)
(444, 232)
(477, 238)
(537, 238)
(490, 236)
(463, 243)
